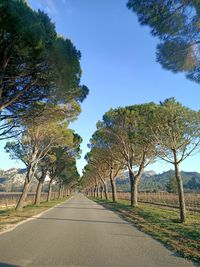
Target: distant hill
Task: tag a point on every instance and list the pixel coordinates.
(151, 181)
(12, 180)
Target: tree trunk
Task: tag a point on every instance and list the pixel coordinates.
(50, 190)
(23, 196)
(101, 192)
(181, 197)
(97, 190)
(131, 178)
(135, 192)
(113, 187)
(67, 192)
(38, 192)
(28, 180)
(105, 190)
(60, 191)
(134, 180)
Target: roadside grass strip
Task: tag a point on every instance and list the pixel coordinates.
(163, 225)
(9, 218)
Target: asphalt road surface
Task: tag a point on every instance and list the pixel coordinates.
(82, 233)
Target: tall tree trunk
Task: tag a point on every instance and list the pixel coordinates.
(39, 188)
(181, 197)
(105, 190)
(113, 188)
(50, 190)
(135, 192)
(101, 192)
(28, 180)
(23, 196)
(67, 192)
(63, 191)
(38, 192)
(131, 178)
(134, 180)
(60, 191)
(97, 190)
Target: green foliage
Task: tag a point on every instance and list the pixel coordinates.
(176, 24)
(61, 162)
(171, 186)
(35, 64)
(129, 130)
(40, 135)
(176, 130)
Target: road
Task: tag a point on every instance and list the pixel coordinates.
(80, 232)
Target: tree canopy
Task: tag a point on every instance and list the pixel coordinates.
(129, 138)
(35, 63)
(176, 24)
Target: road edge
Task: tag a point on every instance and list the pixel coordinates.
(33, 217)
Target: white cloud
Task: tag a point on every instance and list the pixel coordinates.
(51, 7)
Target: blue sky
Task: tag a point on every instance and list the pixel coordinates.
(118, 63)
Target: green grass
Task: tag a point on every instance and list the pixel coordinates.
(163, 225)
(10, 217)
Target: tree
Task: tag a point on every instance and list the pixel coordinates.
(39, 136)
(128, 131)
(176, 24)
(111, 157)
(171, 186)
(96, 160)
(35, 64)
(68, 177)
(176, 130)
(40, 175)
(62, 165)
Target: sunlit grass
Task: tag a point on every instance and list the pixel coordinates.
(163, 225)
(9, 217)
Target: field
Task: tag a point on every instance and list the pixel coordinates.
(168, 200)
(8, 200)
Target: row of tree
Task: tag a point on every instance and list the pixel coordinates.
(40, 94)
(132, 137)
(47, 147)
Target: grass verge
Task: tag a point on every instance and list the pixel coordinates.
(163, 225)
(10, 217)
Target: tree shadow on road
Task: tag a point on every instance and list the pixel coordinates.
(79, 220)
(79, 208)
(3, 264)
